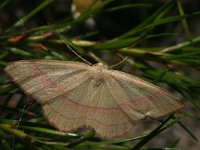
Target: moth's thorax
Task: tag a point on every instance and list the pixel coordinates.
(97, 73)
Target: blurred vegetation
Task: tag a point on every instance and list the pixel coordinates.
(159, 38)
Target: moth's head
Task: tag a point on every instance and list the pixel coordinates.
(100, 66)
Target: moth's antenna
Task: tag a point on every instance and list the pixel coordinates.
(68, 45)
(77, 54)
(119, 62)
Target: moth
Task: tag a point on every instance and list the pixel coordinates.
(75, 94)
